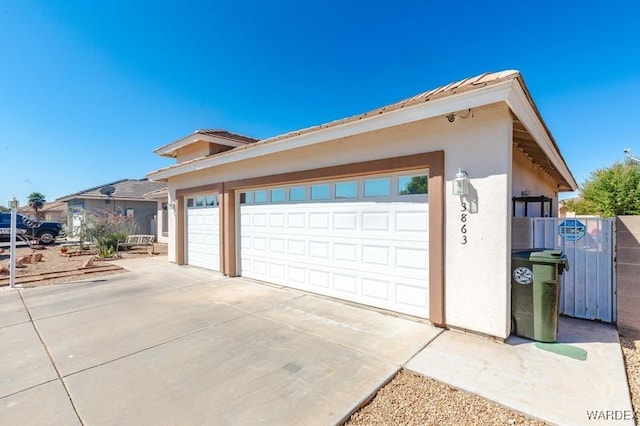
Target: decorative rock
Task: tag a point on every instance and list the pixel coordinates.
(4, 270)
(20, 264)
(36, 257)
(25, 259)
(88, 263)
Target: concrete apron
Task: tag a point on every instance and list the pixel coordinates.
(177, 345)
(541, 384)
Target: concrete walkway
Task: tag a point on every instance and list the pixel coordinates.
(165, 344)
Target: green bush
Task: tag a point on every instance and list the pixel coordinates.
(108, 228)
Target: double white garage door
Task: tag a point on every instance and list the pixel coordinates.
(364, 240)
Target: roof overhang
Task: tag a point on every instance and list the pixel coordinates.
(171, 149)
(158, 194)
(511, 91)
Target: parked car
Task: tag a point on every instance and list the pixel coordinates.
(46, 232)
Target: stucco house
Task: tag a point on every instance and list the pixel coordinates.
(406, 208)
(55, 211)
(124, 196)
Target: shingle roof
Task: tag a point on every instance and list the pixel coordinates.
(125, 189)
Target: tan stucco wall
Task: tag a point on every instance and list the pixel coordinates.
(477, 279)
(195, 150)
(527, 176)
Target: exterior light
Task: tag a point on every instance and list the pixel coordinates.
(461, 183)
(13, 204)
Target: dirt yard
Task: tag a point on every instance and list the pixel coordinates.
(57, 267)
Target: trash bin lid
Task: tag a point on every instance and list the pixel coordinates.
(547, 256)
(522, 254)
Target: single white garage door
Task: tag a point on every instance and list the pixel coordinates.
(203, 235)
(364, 240)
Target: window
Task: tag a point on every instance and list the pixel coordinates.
(199, 201)
(189, 202)
(347, 189)
(379, 187)
(165, 219)
(278, 195)
(130, 213)
(298, 193)
(211, 200)
(260, 196)
(408, 185)
(246, 197)
(320, 191)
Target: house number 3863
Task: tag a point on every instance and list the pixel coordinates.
(463, 220)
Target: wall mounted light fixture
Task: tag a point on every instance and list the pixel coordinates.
(461, 183)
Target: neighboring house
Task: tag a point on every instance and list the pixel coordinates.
(53, 211)
(124, 196)
(363, 209)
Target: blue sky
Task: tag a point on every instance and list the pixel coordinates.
(89, 88)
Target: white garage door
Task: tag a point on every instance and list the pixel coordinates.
(203, 235)
(364, 240)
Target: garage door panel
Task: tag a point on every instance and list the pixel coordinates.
(203, 237)
(375, 253)
(411, 222)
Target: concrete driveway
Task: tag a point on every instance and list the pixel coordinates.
(177, 345)
(165, 344)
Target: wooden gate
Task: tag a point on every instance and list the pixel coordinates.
(589, 286)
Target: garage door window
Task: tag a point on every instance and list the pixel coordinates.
(410, 185)
(401, 187)
(260, 197)
(298, 193)
(202, 201)
(320, 192)
(278, 195)
(377, 187)
(346, 190)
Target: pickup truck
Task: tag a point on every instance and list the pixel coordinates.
(46, 232)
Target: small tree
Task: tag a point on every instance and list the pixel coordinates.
(612, 191)
(36, 201)
(4, 209)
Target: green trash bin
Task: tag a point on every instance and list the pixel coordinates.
(535, 292)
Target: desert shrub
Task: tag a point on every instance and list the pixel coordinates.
(107, 228)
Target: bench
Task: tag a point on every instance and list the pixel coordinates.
(138, 241)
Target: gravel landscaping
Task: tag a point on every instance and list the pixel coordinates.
(631, 350)
(410, 399)
(53, 260)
